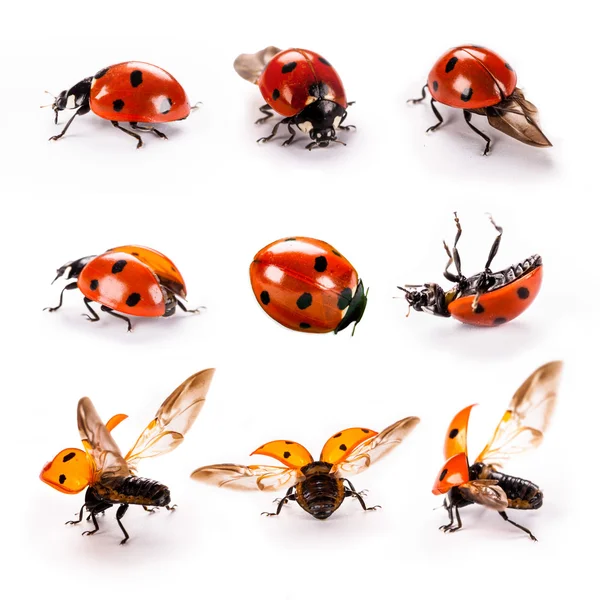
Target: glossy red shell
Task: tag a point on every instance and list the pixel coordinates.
(471, 77)
(124, 283)
(287, 79)
(501, 305)
(303, 283)
(138, 92)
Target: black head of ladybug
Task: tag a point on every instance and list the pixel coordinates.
(429, 298)
(76, 97)
(71, 270)
(320, 120)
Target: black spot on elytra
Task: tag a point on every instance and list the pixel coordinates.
(337, 435)
(451, 64)
(264, 297)
(101, 73)
(166, 105)
(287, 454)
(94, 285)
(325, 62)
(133, 299)
(304, 325)
(289, 240)
(343, 447)
(443, 474)
(62, 479)
(453, 433)
(365, 431)
(335, 252)
(344, 299)
(276, 93)
(479, 309)
(68, 457)
(136, 78)
(135, 253)
(304, 301)
(320, 264)
(466, 95)
(118, 105)
(289, 442)
(508, 67)
(119, 266)
(523, 293)
(435, 86)
(288, 67)
(499, 321)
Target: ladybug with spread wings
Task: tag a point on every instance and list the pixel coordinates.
(521, 428)
(319, 487)
(111, 478)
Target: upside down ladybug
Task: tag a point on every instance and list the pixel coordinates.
(301, 86)
(132, 280)
(480, 82)
(133, 92)
(486, 299)
(318, 486)
(521, 428)
(307, 285)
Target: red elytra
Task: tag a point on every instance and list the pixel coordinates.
(133, 92)
(288, 79)
(486, 299)
(471, 77)
(133, 280)
(307, 285)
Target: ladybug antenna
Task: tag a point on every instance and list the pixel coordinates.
(195, 106)
(53, 96)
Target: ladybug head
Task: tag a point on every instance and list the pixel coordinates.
(426, 298)
(71, 270)
(320, 120)
(76, 97)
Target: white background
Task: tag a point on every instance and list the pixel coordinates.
(210, 198)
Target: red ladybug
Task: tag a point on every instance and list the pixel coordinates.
(134, 92)
(307, 285)
(133, 280)
(486, 299)
(480, 82)
(301, 86)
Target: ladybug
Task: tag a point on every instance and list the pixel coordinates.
(132, 280)
(307, 285)
(486, 299)
(134, 92)
(303, 87)
(480, 82)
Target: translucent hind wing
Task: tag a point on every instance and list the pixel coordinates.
(486, 492)
(173, 419)
(517, 117)
(523, 425)
(254, 477)
(250, 66)
(374, 448)
(98, 443)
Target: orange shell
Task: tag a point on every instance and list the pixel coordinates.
(291, 454)
(456, 436)
(339, 446)
(454, 472)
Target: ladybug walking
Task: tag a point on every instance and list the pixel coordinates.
(480, 82)
(303, 87)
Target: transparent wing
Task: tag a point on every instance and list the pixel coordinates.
(255, 477)
(250, 66)
(98, 443)
(374, 448)
(173, 419)
(486, 492)
(517, 117)
(523, 425)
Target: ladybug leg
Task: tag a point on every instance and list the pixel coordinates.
(131, 133)
(289, 497)
(505, 517)
(352, 493)
(495, 245)
(82, 110)
(94, 316)
(184, 308)
(70, 286)
(153, 130)
(96, 526)
(346, 127)
(120, 514)
(485, 280)
(80, 517)
(274, 132)
(454, 257)
(436, 112)
(116, 315)
(292, 135)
(266, 110)
(480, 133)
(415, 100)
